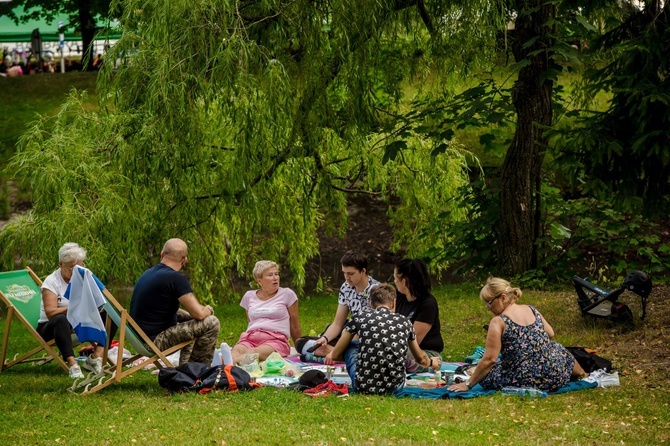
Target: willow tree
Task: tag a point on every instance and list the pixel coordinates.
(242, 127)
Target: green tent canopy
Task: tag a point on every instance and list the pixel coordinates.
(11, 32)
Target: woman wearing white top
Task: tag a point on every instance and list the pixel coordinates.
(53, 323)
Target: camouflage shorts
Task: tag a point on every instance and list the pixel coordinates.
(205, 333)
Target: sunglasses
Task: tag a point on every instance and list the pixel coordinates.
(489, 303)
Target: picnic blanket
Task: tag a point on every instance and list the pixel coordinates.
(452, 366)
(477, 390)
(336, 372)
(295, 359)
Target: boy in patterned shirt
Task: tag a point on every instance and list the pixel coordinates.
(385, 337)
(354, 297)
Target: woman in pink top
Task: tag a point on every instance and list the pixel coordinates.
(272, 313)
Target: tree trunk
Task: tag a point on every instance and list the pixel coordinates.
(520, 182)
(87, 24)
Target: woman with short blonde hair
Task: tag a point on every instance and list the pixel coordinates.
(272, 314)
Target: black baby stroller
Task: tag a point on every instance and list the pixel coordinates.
(599, 303)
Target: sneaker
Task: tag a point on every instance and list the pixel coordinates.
(328, 388)
(320, 390)
(75, 372)
(341, 390)
(603, 378)
(93, 364)
(609, 380)
(475, 356)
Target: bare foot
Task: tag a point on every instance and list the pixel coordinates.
(323, 350)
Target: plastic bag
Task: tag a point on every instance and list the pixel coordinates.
(291, 370)
(249, 362)
(274, 364)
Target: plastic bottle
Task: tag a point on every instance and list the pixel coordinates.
(524, 391)
(535, 393)
(227, 354)
(309, 357)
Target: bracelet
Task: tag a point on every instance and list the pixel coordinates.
(469, 386)
(325, 337)
(430, 363)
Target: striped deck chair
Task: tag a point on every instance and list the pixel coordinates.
(20, 292)
(131, 337)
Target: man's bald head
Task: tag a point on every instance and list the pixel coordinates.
(175, 249)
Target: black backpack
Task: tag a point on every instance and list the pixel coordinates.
(590, 362)
(201, 378)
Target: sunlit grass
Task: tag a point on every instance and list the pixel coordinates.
(37, 410)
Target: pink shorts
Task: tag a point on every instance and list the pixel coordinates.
(256, 338)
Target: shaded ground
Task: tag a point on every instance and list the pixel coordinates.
(647, 348)
(643, 352)
(368, 231)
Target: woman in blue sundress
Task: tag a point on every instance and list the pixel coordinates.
(522, 338)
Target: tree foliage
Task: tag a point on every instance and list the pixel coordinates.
(624, 150)
(241, 127)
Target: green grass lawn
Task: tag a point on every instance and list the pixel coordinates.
(37, 409)
(26, 97)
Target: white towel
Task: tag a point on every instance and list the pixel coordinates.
(85, 294)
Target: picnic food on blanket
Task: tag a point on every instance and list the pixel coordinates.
(274, 364)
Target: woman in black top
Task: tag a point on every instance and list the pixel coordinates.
(417, 303)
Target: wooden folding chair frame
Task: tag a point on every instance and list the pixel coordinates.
(131, 333)
(13, 312)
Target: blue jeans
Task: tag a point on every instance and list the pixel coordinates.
(350, 359)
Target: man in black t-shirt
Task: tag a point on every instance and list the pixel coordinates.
(155, 303)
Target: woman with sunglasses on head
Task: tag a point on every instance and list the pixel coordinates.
(522, 338)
